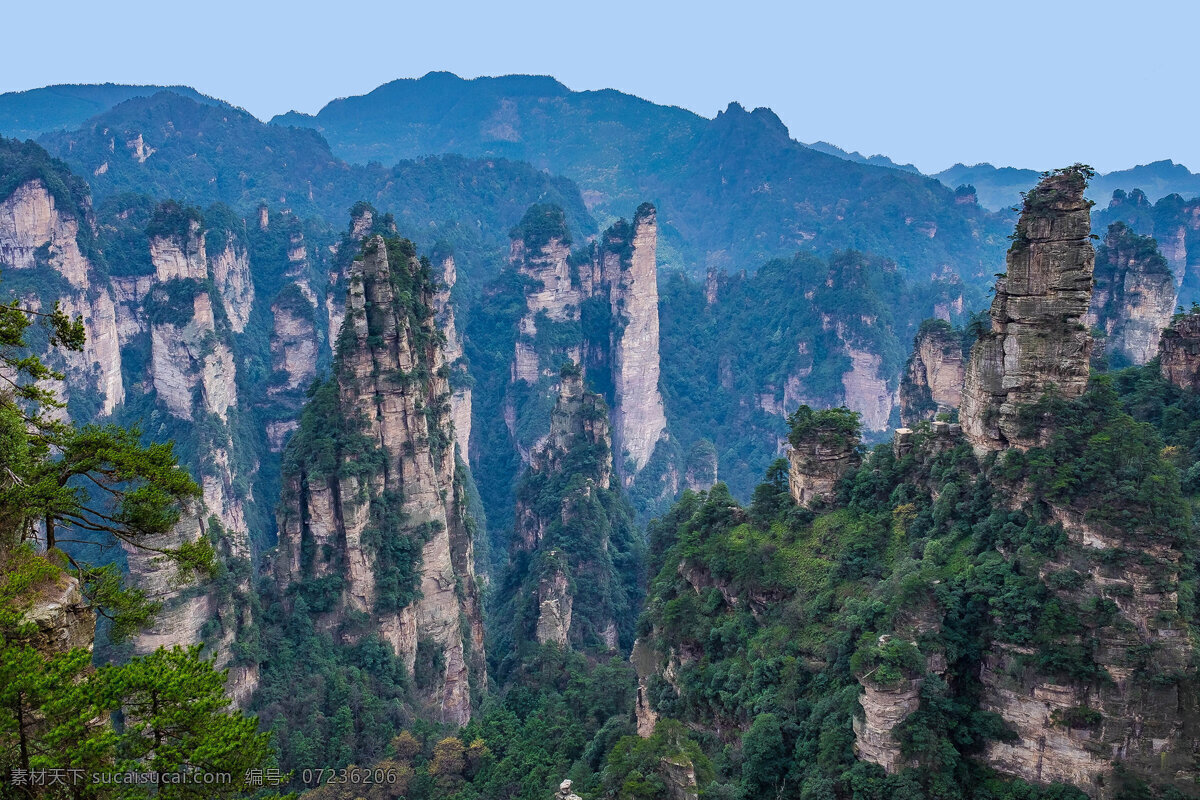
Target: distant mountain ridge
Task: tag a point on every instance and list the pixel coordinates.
(1001, 187)
(733, 191)
(29, 114)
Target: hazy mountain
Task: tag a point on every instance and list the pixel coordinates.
(858, 158)
(27, 115)
(1001, 187)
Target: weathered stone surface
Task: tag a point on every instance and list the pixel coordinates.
(62, 620)
(933, 377)
(1037, 342)
(622, 274)
(460, 397)
(645, 663)
(818, 462)
(31, 224)
(554, 609)
(1179, 352)
(326, 516)
(884, 709)
(1134, 295)
(638, 418)
(293, 345)
(231, 275)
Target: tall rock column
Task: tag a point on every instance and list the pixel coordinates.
(824, 447)
(1037, 342)
(575, 552)
(372, 505)
(638, 418)
(460, 396)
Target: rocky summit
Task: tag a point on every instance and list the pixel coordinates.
(1037, 342)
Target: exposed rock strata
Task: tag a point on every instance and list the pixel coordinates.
(390, 385)
(37, 235)
(1134, 295)
(818, 461)
(1179, 352)
(1037, 342)
(616, 289)
(933, 377)
(460, 397)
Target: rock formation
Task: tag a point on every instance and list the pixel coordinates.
(1037, 342)
(573, 529)
(460, 385)
(39, 237)
(1140, 711)
(1179, 352)
(610, 296)
(933, 377)
(1134, 296)
(822, 451)
(380, 516)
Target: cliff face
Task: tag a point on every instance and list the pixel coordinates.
(1175, 225)
(1037, 341)
(37, 238)
(821, 452)
(1179, 352)
(460, 385)
(1134, 296)
(575, 543)
(933, 377)
(598, 309)
(372, 507)
(638, 419)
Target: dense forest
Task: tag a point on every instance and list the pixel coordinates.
(322, 478)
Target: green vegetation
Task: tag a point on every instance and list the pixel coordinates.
(770, 618)
(163, 712)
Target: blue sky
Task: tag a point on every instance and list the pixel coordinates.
(1031, 84)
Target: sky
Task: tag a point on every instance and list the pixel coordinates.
(1028, 84)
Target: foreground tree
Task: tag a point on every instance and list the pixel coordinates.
(67, 729)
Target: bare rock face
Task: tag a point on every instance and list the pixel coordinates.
(638, 418)
(613, 294)
(62, 620)
(554, 608)
(231, 275)
(37, 235)
(460, 397)
(293, 341)
(933, 378)
(392, 391)
(884, 709)
(819, 456)
(1037, 342)
(645, 663)
(866, 390)
(1134, 295)
(1179, 352)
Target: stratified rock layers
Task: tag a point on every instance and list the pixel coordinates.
(1179, 352)
(933, 377)
(337, 519)
(611, 295)
(1037, 342)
